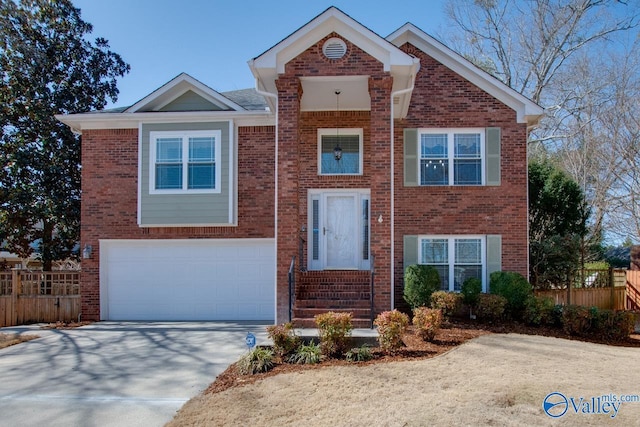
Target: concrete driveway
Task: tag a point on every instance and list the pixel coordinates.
(114, 374)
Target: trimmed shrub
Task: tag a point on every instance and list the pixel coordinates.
(471, 289)
(514, 287)
(448, 302)
(592, 322)
(427, 322)
(490, 307)
(576, 320)
(306, 354)
(616, 325)
(285, 340)
(260, 359)
(334, 330)
(539, 311)
(391, 325)
(420, 281)
(359, 354)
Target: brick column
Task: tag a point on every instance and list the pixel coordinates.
(289, 94)
(380, 93)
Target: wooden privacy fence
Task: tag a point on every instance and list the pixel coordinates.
(39, 296)
(608, 289)
(633, 290)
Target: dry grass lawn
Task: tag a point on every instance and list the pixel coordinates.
(497, 379)
(11, 339)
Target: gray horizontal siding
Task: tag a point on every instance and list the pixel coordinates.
(190, 101)
(185, 209)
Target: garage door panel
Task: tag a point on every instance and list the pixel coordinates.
(204, 279)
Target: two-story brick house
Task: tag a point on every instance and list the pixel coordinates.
(354, 154)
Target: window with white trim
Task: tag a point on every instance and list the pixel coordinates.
(184, 162)
(456, 258)
(451, 156)
(350, 143)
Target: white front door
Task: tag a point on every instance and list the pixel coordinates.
(340, 233)
(338, 230)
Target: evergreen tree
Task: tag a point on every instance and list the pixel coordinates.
(557, 226)
(48, 66)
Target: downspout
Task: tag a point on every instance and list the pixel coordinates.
(275, 225)
(393, 185)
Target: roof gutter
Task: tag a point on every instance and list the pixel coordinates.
(392, 174)
(275, 224)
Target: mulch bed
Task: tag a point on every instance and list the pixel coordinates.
(65, 325)
(451, 335)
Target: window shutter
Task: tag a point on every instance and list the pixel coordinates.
(411, 157)
(494, 255)
(492, 156)
(410, 251)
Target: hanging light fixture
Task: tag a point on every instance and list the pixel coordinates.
(337, 151)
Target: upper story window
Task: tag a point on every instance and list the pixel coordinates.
(185, 162)
(451, 156)
(349, 143)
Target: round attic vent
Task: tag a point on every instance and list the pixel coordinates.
(334, 48)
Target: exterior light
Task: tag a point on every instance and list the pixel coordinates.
(337, 151)
(86, 251)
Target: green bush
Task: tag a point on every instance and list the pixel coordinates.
(602, 324)
(471, 289)
(420, 281)
(616, 325)
(427, 322)
(391, 325)
(448, 302)
(490, 307)
(334, 330)
(556, 316)
(539, 311)
(285, 340)
(359, 354)
(576, 320)
(260, 359)
(514, 287)
(306, 354)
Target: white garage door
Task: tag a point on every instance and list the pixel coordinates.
(199, 279)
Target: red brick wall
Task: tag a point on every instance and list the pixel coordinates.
(110, 188)
(298, 156)
(441, 98)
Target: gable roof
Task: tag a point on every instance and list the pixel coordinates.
(270, 63)
(181, 86)
(527, 111)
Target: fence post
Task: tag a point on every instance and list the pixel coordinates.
(15, 289)
(569, 289)
(612, 283)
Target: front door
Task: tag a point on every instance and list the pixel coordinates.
(339, 230)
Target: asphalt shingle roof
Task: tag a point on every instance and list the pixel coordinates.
(247, 98)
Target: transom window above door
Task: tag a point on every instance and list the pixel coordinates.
(340, 151)
(184, 162)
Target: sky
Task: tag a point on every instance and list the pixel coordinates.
(212, 40)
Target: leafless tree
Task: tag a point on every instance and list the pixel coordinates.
(570, 57)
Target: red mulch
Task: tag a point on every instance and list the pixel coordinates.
(451, 335)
